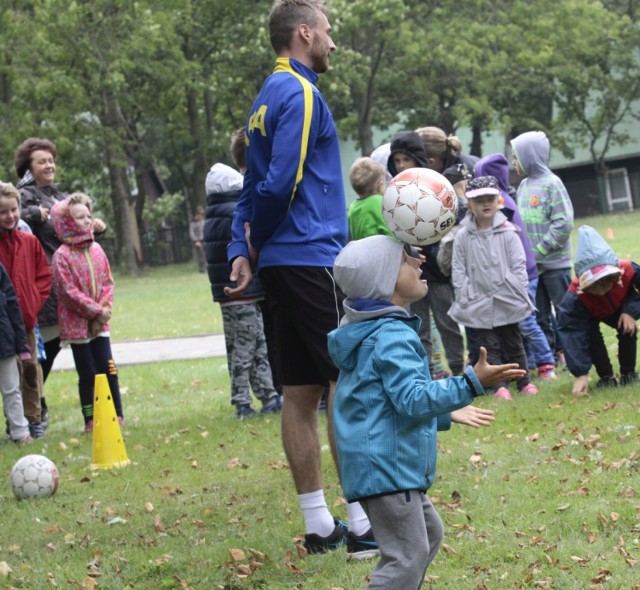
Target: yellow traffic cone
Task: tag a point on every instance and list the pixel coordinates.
(108, 445)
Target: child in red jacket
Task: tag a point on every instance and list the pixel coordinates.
(83, 282)
(27, 266)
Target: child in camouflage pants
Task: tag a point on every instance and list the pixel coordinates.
(247, 355)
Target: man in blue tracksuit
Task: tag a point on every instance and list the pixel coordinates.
(293, 201)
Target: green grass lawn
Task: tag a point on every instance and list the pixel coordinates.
(547, 498)
(165, 302)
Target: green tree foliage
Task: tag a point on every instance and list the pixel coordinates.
(141, 97)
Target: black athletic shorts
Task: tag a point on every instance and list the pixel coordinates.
(306, 304)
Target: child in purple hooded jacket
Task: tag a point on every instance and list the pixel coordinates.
(83, 282)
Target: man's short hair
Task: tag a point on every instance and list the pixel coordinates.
(287, 15)
(365, 175)
(238, 147)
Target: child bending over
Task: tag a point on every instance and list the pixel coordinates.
(387, 410)
(605, 289)
(83, 282)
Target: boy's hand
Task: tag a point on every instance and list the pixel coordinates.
(472, 416)
(493, 374)
(580, 385)
(627, 324)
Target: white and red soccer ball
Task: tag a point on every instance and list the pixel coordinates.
(419, 206)
(34, 476)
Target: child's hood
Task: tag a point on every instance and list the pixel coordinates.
(495, 165)
(223, 179)
(592, 250)
(409, 143)
(532, 151)
(65, 226)
(345, 342)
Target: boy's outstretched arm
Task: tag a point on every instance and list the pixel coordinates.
(493, 374)
(472, 416)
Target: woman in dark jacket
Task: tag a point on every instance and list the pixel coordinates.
(35, 165)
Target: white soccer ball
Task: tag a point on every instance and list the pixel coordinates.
(34, 476)
(419, 206)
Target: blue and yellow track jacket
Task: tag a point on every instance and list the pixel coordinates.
(293, 193)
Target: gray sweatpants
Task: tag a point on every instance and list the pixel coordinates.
(409, 533)
(12, 398)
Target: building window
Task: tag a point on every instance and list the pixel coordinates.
(618, 190)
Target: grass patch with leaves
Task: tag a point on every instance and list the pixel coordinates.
(548, 497)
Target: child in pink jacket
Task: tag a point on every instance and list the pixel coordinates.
(83, 282)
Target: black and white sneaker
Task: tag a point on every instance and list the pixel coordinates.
(316, 544)
(362, 547)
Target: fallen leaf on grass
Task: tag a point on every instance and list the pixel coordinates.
(5, 570)
(148, 507)
(257, 554)
(157, 524)
(602, 574)
(629, 492)
(293, 568)
(563, 507)
(579, 560)
(89, 583)
(51, 580)
(117, 520)
(475, 459)
(164, 560)
(448, 549)
(52, 529)
(237, 554)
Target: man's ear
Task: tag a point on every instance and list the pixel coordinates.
(305, 33)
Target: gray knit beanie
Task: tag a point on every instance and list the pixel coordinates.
(368, 268)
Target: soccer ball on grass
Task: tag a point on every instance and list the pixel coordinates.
(419, 206)
(34, 476)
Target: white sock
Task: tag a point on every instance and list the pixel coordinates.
(317, 518)
(358, 519)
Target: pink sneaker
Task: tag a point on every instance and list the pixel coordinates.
(529, 389)
(547, 372)
(502, 393)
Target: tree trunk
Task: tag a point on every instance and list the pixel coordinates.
(475, 148)
(200, 162)
(120, 190)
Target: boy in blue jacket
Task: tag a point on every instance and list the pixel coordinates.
(387, 410)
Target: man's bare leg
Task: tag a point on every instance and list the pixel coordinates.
(302, 446)
(300, 440)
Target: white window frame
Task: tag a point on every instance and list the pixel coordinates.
(623, 200)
